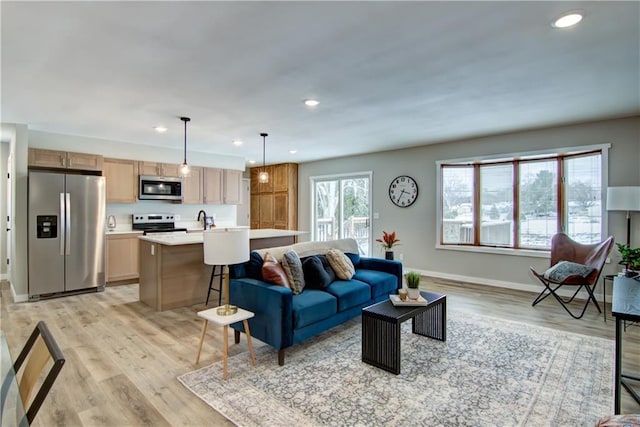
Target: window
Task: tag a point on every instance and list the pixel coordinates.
(522, 202)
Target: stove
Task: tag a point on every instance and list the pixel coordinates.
(155, 223)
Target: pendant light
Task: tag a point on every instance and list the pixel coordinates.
(263, 176)
(184, 167)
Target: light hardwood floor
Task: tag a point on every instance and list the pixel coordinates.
(123, 357)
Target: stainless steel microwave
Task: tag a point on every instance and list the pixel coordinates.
(160, 188)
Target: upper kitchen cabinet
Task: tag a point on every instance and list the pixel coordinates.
(213, 191)
(232, 187)
(275, 204)
(158, 169)
(222, 186)
(192, 186)
(121, 178)
(64, 160)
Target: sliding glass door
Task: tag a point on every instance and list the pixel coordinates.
(341, 209)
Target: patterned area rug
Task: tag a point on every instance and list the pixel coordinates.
(489, 372)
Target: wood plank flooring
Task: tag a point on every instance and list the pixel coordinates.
(123, 357)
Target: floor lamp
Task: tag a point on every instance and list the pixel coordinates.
(226, 246)
(624, 199)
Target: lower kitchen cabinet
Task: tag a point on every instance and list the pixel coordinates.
(122, 257)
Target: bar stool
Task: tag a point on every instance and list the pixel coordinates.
(211, 287)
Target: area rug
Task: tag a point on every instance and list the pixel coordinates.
(489, 372)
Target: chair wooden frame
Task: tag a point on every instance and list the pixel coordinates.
(563, 248)
(41, 346)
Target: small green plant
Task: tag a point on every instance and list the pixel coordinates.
(413, 280)
(630, 258)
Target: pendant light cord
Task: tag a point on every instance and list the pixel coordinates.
(185, 120)
(264, 144)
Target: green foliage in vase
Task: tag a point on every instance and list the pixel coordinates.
(413, 280)
(630, 257)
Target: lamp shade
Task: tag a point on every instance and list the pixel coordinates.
(623, 199)
(226, 246)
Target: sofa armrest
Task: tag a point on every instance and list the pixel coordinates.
(387, 266)
(272, 307)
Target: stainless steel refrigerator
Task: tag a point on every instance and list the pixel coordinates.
(66, 233)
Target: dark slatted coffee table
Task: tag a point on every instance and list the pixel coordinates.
(381, 328)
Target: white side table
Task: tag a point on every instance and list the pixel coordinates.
(210, 315)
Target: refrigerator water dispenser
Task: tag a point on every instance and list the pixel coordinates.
(46, 226)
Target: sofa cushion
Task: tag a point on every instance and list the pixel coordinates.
(340, 263)
(311, 306)
(293, 267)
(253, 267)
(273, 272)
(350, 293)
(381, 283)
(355, 258)
(318, 274)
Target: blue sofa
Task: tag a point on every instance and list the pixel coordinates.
(283, 319)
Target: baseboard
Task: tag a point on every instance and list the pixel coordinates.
(527, 287)
(4, 277)
(19, 297)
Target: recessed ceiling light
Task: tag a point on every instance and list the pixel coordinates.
(311, 102)
(160, 129)
(293, 151)
(252, 161)
(567, 20)
(237, 142)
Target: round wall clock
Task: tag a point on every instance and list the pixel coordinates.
(403, 191)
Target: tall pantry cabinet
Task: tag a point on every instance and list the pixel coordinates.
(275, 204)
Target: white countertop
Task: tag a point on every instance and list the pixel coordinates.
(123, 231)
(196, 238)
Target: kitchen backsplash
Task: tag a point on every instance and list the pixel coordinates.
(225, 215)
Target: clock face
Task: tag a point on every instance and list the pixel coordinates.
(403, 191)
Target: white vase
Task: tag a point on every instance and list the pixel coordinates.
(414, 293)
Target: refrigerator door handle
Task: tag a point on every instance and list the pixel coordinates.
(62, 218)
(67, 224)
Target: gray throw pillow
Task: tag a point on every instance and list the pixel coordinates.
(293, 268)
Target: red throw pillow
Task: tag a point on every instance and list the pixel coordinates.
(273, 272)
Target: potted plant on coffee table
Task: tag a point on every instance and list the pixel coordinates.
(413, 284)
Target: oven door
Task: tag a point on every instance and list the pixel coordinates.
(160, 188)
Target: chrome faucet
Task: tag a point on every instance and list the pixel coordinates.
(204, 219)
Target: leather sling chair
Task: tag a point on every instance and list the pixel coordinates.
(573, 265)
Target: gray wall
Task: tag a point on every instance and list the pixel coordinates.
(416, 225)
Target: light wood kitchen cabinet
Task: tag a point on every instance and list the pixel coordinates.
(265, 203)
(222, 186)
(213, 192)
(254, 214)
(192, 186)
(123, 251)
(64, 160)
(158, 169)
(121, 177)
(232, 187)
(83, 161)
(275, 205)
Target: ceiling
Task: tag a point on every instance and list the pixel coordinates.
(387, 74)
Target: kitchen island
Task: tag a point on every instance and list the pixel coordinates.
(172, 269)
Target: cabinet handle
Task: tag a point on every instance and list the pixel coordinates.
(61, 157)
